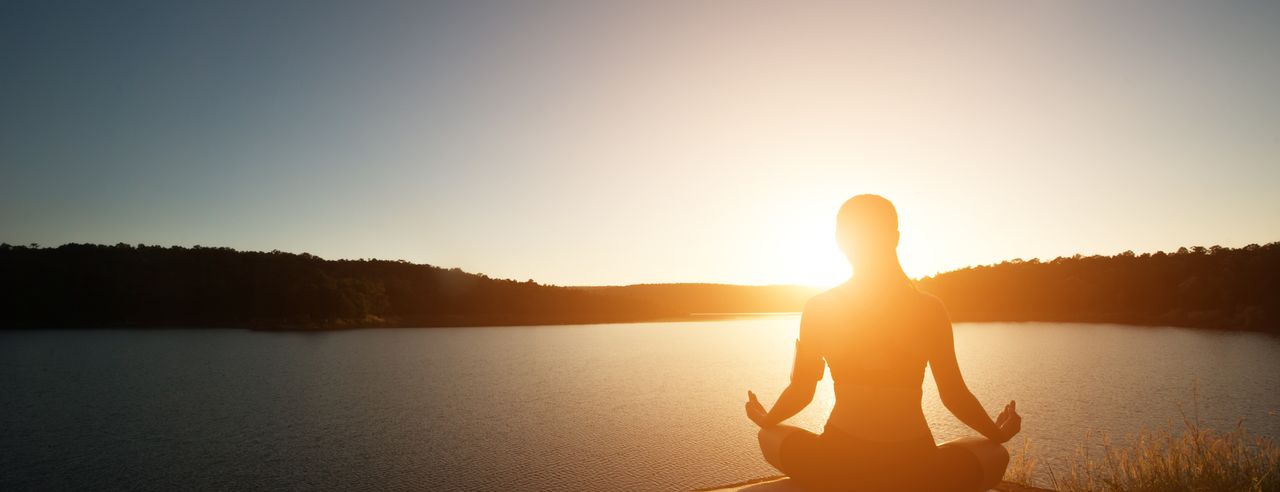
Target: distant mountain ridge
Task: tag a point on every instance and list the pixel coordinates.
(86, 285)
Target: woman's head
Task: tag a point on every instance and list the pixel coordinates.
(867, 230)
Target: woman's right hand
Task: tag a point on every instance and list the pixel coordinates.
(756, 411)
(1009, 421)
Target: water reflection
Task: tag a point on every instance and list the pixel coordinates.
(628, 407)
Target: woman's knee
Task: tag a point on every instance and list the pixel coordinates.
(991, 455)
(986, 450)
(771, 442)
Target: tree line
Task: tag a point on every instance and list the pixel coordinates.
(87, 285)
(123, 285)
(1214, 287)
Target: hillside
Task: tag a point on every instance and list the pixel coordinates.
(1217, 287)
(85, 285)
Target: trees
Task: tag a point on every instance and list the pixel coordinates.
(98, 285)
(1214, 287)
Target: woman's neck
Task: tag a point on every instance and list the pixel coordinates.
(879, 272)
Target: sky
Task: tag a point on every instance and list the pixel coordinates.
(592, 143)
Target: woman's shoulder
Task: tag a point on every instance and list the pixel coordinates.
(824, 301)
(933, 307)
(842, 298)
(930, 300)
(819, 311)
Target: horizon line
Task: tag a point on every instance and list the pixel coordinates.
(794, 284)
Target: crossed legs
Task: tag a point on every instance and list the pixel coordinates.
(990, 455)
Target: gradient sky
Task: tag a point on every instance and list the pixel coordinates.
(610, 143)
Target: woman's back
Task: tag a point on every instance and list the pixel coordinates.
(876, 339)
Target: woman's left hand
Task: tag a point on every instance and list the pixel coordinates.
(756, 411)
(1009, 421)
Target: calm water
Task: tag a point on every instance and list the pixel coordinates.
(609, 407)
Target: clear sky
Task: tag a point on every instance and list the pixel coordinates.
(612, 143)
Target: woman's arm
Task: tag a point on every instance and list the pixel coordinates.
(806, 370)
(957, 397)
(793, 399)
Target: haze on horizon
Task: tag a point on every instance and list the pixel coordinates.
(581, 143)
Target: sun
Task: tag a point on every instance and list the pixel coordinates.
(818, 266)
(804, 252)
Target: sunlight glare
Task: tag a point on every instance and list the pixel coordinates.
(804, 248)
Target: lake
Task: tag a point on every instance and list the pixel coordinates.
(646, 406)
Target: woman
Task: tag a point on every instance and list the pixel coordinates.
(877, 333)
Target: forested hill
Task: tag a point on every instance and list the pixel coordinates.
(84, 285)
(1215, 287)
(123, 285)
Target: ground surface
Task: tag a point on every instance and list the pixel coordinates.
(784, 484)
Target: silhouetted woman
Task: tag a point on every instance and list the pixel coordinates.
(877, 333)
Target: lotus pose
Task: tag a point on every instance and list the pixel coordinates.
(877, 333)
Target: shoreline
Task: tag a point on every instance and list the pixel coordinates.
(433, 322)
(501, 321)
(779, 483)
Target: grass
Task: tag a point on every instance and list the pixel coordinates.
(1022, 465)
(1189, 458)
